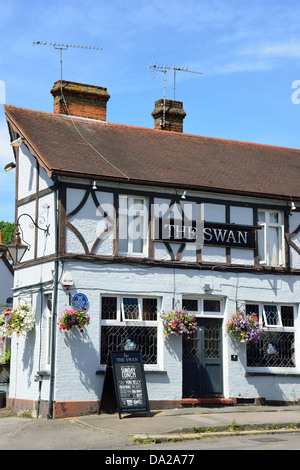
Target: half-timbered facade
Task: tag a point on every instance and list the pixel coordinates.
(143, 221)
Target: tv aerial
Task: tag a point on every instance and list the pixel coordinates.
(64, 47)
(164, 69)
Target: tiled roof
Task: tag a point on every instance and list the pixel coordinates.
(99, 150)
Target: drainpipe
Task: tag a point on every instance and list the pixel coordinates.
(54, 307)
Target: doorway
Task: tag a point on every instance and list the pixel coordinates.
(202, 361)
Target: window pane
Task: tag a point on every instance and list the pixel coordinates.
(113, 338)
(123, 233)
(287, 315)
(109, 308)
(252, 308)
(261, 217)
(131, 308)
(149, 309)
(212, 305)
(274, 349)
(123, 202)
(261, 243)
(137, 234)
(274, 217)
(274, 242)
(191, 305)
(138, 204)
(271, 314)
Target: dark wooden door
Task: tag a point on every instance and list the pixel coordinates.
(202, 361)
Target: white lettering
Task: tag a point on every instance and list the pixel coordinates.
(231, 237)
(192, 232)
(180, 231)
(207, 234)
(169, 234)
(243, 236)
(220, 234)
(115, 460)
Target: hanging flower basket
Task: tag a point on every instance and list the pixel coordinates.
(179, 323)
(19, 320)
(74, 319)
(244, 327)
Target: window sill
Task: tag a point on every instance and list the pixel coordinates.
(271, 374)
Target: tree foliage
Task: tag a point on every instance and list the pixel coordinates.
(8, 230)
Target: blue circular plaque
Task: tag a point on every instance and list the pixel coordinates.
(80, 301)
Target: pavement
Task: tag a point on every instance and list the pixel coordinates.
(175, 424)
(190, 423)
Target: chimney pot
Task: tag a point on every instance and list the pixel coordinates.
(82, 100)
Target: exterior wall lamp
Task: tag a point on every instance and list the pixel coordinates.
(17, 142)
(10, 166)
(17, 249)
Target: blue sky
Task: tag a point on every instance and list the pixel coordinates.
(249, 53)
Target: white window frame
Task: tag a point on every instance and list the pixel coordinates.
(200, 312)
(120, 321)
(131, 211)
(139, 309)
(120, 317)
(266, 225)
(262, 315)
(278, 328)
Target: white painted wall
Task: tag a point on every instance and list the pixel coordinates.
(78, 354)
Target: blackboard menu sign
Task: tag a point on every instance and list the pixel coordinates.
(127, 371)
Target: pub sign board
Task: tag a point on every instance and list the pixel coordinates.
(230, 235)
(129, 382)
(206, 233)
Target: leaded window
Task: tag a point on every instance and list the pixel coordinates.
(276, 348)
(129, 319)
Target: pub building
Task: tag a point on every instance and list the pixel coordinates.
(131, 222)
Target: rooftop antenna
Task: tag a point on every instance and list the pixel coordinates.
(162, 68)
(165, 69)
(63, 47)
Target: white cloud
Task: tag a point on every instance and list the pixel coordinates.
(280, 50)
(243, 66)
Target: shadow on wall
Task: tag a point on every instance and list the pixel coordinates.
(85, 357)
(28, 354)
(277, 389)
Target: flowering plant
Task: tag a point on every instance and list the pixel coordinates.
(72, 318)
(19, 320)
(180, 323)
(244, 327)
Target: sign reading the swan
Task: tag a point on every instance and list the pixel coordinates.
(196, 231)
(230, 235)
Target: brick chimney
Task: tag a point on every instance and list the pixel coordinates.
(85, 101)
(173, 115)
